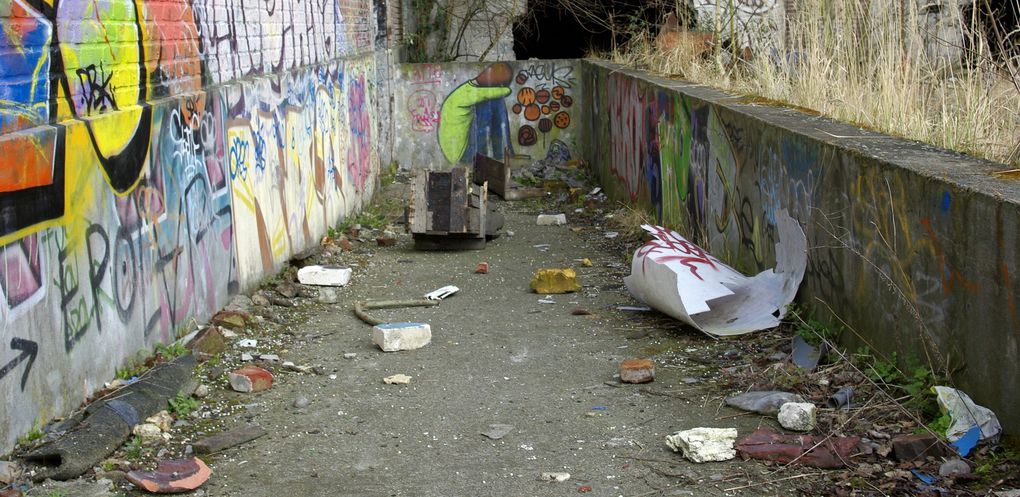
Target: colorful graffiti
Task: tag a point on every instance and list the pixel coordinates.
(137, 194)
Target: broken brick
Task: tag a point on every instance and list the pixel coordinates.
(482, 268)
(820, 452)
(386, 240)
(228, 439)
(917, 447)
(251, 379)
(207, 343)
(231, 320)
(550, 281)
(637, 371)
(172, 476)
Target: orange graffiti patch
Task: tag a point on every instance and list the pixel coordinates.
(532, 112)
(526, 96)
(561, 120)
(26, 165)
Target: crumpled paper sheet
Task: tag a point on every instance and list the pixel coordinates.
(682, 280)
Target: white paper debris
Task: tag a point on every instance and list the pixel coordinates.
(680, 279)
(442, 293)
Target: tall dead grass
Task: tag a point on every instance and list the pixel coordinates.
(879, 64)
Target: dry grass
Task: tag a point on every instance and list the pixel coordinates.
(868, 65)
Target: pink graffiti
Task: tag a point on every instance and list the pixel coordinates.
(627, 132)
(424, 108)
(427, 74)
(359, 154)
(669, 246)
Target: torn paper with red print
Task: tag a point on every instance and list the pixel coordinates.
(679, 278)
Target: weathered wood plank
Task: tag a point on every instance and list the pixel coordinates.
(458, 200)
(438, 199)
(496, 173)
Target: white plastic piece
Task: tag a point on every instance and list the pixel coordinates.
(680, 279)
(442, 293)
(248, 343)
(704, 444)
(555, 476)
(552, 219)
(391, 337)
(966, 414)
(324, 275)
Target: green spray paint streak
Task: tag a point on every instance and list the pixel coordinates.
(675, 161)
(458, 112)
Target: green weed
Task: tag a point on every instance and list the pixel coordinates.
(811, 330)
(171, 351)
(182, 405)
(914, 381)
(34, 434)
(133, 449)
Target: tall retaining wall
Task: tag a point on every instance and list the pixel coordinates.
(912, 248)
(158, 157)
(445, 113)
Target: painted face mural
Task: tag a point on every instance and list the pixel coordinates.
(474, 120)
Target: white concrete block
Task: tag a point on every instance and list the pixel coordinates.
(705, 444)
(324, 275)
(552, 219)
(392, 337)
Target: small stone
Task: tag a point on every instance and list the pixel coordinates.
(324, 275)
(551, 219)
(731, 354)
(301, 402)
(232, 320)
(270, 357)
(246, 357)
(259, 299)
(397, 379)
(917, 447)
(148, 432)
(498, 431)
(162, 419)
(250, 379)
(482, 268)
(553, 281)
(228, 439)
(207, 343)
(329, 295)
(248, 343)
(954, 467)
(391, 337)
(201, 391)
(9, 471)
(637, 371)
(556, 477)
(350, 355)
(388, 239)
(287, 290)
(704, 444)
(762, 402)
(797, 416)
(586, 262)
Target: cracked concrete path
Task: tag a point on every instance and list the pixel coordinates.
(497, 356)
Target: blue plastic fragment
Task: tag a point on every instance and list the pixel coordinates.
(926, 478)
(600, 408)
(968, 441)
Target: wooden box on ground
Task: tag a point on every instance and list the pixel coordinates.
(445, 214)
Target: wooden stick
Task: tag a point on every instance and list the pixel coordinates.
(360, 307)
(772, 481)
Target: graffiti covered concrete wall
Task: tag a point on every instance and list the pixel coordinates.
(907, 244)
(157, 157)
(446, 113)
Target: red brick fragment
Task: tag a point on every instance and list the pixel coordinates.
(482, 268)
(820, 452)
(637, 371)
(251, 379)
(172, 476)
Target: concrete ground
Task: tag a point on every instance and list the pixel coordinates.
(497, 356)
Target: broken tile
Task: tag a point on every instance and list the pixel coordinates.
(637, 370)
(250, 379)
(172, 476)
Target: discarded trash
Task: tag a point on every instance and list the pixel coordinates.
(917, 446)
(248, 343)
(397, 379)
(797, 416)
(556, 477)
(546, 300)
(550, 281)
(637, 370)
(250, 379)
(966, 414)
(270, 357)
(820, 452)
(498, 431)
(482, 268)
(954, 467)
(704, 444)
(586, 262)
(968, 441)
(442, 293)
(633, 308)
(301, 402)
(924, 477)
(246, 357)
(360, 307)
(392, 337)
(172, 476)
(324, 275)
(584, 489)
(805, 355)
(680, 279)
(842, 398)
(551, 219)
(612, 234)
(228, 439)
(764, 402)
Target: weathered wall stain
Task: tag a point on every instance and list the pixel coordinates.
(913, 261)
(159, 157)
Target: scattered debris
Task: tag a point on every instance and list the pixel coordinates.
(397, 379)
(797, 416)
(586, 262)
(704, 444)
(551, 281)
(325, 275)
(301, 402)
(269, 357)
(350, 355)
(361, 307)
(392, 337)
(954, 467)
(498, 431)
(632, 308)
(679, 278)
(250, 379)
(328, 295)
(148, 432)
(9, 472)
(162, 420)
(580, 312)
(228, 439)
(248, 343)
(805, 355)
(172, 476)
(551, 219)
(584, 489)
(966, 415)
(482, 268)
(637, 370)
(547, 300)
(612, 234)
(388, 239)
(842, 398)
(820, 452)
(556, 477)
(764, 402)
(442, 293)
(207, 343)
